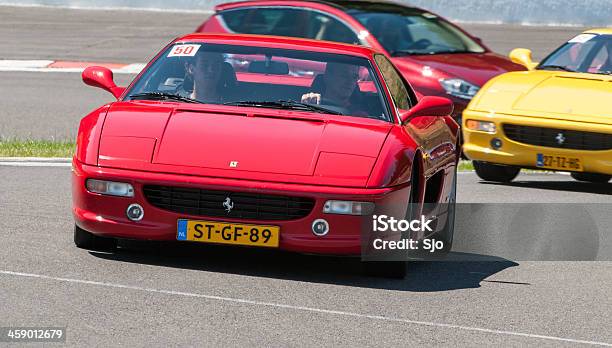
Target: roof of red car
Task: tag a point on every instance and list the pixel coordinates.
(280, 42)
(340, 4)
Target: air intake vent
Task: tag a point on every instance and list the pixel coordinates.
(241, 205)
(558, 138)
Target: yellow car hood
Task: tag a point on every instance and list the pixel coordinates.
(548, 94)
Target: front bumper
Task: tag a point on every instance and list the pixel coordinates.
(477, 144)
(105, 215)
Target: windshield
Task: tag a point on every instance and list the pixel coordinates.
(410, 31)
(587, 53)
(263, 77)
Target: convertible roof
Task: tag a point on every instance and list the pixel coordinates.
(280, 42)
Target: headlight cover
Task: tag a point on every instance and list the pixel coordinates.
(110, 188)
(482, 126)
(348, 208)
(459, 88)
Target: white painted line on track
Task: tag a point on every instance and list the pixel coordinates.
(306, 309)
(35, 164)
(66, 162)
(64, 70)
(13, 63)
(36, 159)
(133, 68)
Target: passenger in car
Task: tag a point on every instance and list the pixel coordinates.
(208, 78)
(338, 86)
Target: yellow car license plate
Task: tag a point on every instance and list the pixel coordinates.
(228, 233)
(558, 162)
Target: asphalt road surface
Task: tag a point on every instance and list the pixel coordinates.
(50, 105)
(187, 295)
(47, 105)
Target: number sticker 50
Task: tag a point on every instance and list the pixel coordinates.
(184, 50)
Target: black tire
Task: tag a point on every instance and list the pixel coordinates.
(87, 240)
(494, 172)
(592, 177)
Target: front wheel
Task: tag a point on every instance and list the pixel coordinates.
(87, 240)
(494, 172)
(397, 267)
(448, 231)
(592, 177)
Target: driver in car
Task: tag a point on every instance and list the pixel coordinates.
(204, 78)
(338, 86)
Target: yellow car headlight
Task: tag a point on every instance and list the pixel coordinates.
(482, 126)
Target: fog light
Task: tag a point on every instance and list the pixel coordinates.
(110, 188)
(135, 212)
(348, 208)
(320, 227)
(482, 126)
(496, 143)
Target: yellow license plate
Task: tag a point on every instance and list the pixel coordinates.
(558, 162)
(228, 233)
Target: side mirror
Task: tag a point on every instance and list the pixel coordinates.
(101, 77)
(522, 56)
(429, 106)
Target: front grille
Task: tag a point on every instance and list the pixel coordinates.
(558, 138)
(252, 206)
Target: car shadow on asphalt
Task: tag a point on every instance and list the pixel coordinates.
(462, 272)
(568, 186)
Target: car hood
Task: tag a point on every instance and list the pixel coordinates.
(549, 94)
(242, 143)
(477, 68)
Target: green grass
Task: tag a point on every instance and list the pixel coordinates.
(51, 148)
(465, 165)
(36, 148)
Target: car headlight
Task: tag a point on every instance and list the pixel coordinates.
(459, 88)
(483, 126)
(110, 188)
(348, 208)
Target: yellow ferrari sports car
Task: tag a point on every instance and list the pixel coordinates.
(555, 116)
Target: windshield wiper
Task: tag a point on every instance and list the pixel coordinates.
(399, 53)
(450, 52)
(555, 67)
(284, 104)
(163, 96)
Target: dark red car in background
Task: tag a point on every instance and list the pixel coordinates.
(434, 55)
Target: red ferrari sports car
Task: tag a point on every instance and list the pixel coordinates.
(434, 55)
(195, 150)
